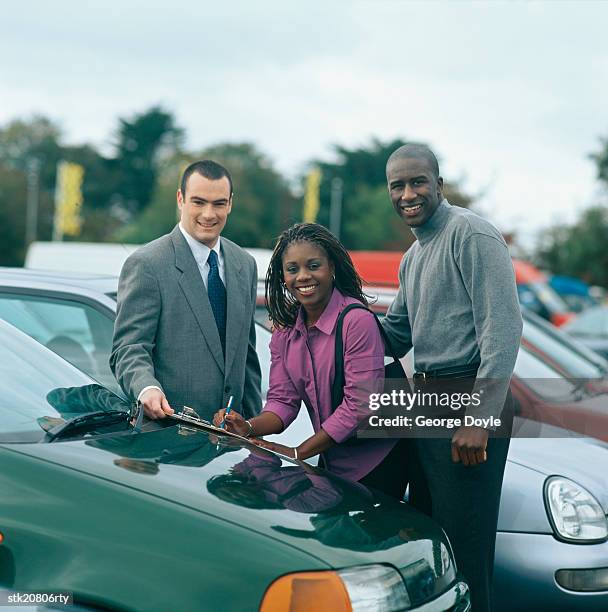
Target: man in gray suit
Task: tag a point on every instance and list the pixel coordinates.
(184, 331)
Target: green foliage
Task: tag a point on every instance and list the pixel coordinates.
(22, 140)
(143, 143)
(263, 204)
(130, 197)
(579, 250)
(162, 213)
(12, 216)
(372, 221)
(601, 161)
(21, 143)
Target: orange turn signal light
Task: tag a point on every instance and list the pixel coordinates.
(1, 537)
(307, 592)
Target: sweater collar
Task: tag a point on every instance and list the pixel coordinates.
(435, 224)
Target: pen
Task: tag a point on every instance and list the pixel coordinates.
(228, 409)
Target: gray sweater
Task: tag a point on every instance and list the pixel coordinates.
(457, 301)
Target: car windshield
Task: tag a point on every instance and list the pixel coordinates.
(548, 297)
(572, 364)
(541, 378)
(594, 363)
(39, 389)
(591, 323)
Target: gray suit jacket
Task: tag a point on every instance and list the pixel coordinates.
(165, 333)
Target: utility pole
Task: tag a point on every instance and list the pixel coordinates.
(33, 196)
(335, 207)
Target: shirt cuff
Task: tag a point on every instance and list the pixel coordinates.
(147, 389)
(285, 413)
(336, 431)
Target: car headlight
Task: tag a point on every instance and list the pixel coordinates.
(370, 588)
(574, 513)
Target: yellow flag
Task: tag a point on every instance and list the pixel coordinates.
(68, 199)
(311, 196)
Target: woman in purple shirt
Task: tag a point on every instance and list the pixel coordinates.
(310, 280)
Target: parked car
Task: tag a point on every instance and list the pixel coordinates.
(538, 565)
(575, 292)
(380, 269)
(99, 257)
(70, 313)
(536, 294)
(556, 383)
(570, 355)
(591, 328)
(169, 517)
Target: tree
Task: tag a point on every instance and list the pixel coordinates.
(161, 214)
(601, 161)
(21, 142)
(23, 139)
(579, 250)
(12, 216)
(142, 144)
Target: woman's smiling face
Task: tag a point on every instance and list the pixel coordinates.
(308, 275)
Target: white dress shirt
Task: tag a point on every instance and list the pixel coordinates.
(201, 254)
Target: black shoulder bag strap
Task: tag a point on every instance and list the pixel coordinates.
(391, 370)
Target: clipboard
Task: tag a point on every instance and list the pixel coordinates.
(189, 416)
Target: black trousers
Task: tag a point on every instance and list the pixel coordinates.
(392, 475)
(465, 501)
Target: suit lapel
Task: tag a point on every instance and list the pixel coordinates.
(237, 297)
(195, 293)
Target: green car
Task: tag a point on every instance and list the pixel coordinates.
(172, 517)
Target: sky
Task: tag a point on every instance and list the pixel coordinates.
(512, 96)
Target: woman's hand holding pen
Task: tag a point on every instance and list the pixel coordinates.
(233, 422)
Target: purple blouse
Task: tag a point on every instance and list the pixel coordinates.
(302, 369)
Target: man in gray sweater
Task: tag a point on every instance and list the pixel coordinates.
(457, 307)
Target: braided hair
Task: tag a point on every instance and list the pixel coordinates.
(282, 306)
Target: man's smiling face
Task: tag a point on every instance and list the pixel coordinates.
(205, 207)
(415, 189)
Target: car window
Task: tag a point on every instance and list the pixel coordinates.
(572, 364)
(261, 317)
(73, 330)
(528, 299)
(560, 335)
(28, 374)
(262, 345)
(590, 323)
(540, 377)
(548, 297)
(39, 387)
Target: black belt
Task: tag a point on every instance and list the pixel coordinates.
(468, 371)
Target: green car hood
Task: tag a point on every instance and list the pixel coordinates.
(337, 521)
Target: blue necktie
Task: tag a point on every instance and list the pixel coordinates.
(217, 297)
